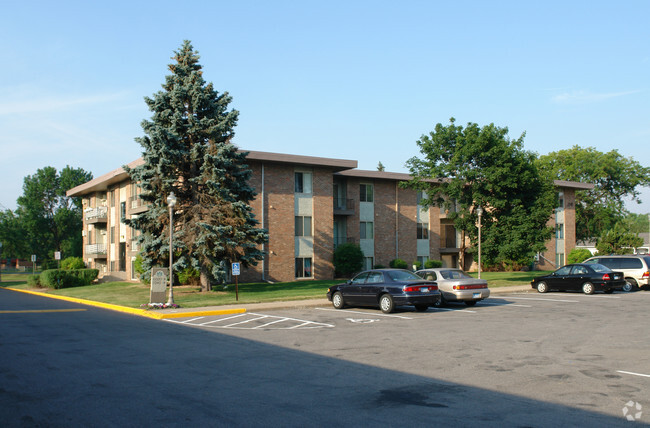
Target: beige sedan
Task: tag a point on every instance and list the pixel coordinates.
(456, 286)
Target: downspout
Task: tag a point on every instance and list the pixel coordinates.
(396, 220)
(263, 217)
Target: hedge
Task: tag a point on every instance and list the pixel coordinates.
(59, 278)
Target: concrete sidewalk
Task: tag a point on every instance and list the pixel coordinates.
(227, 309)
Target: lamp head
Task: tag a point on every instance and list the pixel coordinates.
(171, 200)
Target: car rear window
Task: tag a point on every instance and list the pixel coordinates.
(631, 263)
(402, 275)
(619, 262)
(453, 274)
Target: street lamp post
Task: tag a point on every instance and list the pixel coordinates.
(171, 202)
(0, 261)
(479, 211)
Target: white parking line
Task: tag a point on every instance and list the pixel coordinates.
(545, 300)
(455, 310)
(632, 373)
(505, 304)
(241, 321)
(364, 313)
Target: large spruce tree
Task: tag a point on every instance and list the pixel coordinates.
(188, 150)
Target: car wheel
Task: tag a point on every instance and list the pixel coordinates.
(337, 300)
(440, 303)
(542, 287)
(386, 303)
(421, 308)
(588, 288)
(630, 285)
(470, 302)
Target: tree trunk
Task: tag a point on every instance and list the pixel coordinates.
(205, 279)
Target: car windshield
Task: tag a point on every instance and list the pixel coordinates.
(453, 274)
(599, 268)
(402, 275)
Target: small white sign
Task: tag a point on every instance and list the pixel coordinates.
(236, 269)
(57, 255)
(33, 257)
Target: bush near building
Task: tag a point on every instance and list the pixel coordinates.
(60, 278)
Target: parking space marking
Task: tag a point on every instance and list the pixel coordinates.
(505, 304)
(545, 300)
(250, 321)
(632, 373)
(364, 313)
(455, 310)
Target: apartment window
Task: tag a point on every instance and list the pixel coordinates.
(559, 231)
(423, 231)
(559, 259)
(421, 195)
(122, 211)
(367, 230)
(303, 226)
(112, 234)
(303, 182)
(111, 198)
(560, 200)
(366, 193)
(368, 263)
(303, 267)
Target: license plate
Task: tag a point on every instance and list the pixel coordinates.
(424, 289)
(476, 295)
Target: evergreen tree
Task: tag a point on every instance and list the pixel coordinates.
(188, 150)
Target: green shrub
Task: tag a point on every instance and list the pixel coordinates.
(72, 263)
(398, 264)
(189, 276)
(578, 255)
(431, 264)
(59, 278)
(348, 259)
(417, 264)
(34, 280)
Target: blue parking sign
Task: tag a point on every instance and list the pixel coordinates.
(236, 269)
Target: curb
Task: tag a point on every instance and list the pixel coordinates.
(133, 311)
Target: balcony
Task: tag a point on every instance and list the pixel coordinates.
(343, 206)
(95, 251)
(343, 240)
(96, 215)
(137, 205)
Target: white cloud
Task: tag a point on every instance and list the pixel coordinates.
(582, 97)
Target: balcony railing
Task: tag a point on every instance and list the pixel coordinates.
(96, 249)
(137, 203)
(343, 240)
(99, 213)
(343, 206)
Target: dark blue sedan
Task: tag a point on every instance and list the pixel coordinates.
(387, 289)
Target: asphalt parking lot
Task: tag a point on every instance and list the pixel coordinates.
(585, 352)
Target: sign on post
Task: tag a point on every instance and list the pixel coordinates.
(158, 285)
(236, 270)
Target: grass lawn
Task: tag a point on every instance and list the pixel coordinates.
(134, 294)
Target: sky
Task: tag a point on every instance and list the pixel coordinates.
(359, 80)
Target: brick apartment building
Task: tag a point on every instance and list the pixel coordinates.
(309, 205)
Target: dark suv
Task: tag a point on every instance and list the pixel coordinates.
(636, 268)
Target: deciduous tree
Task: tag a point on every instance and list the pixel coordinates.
(463, 168)
(615, 177)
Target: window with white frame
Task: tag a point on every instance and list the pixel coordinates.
(303, 267)
(367, 230)
(366, 193)
(303, 226)
(368, 263)
(303, 181)
(423, 231)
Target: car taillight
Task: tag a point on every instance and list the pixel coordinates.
(646, 275)
(415, 288)
(468, 287)
(606, 277)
